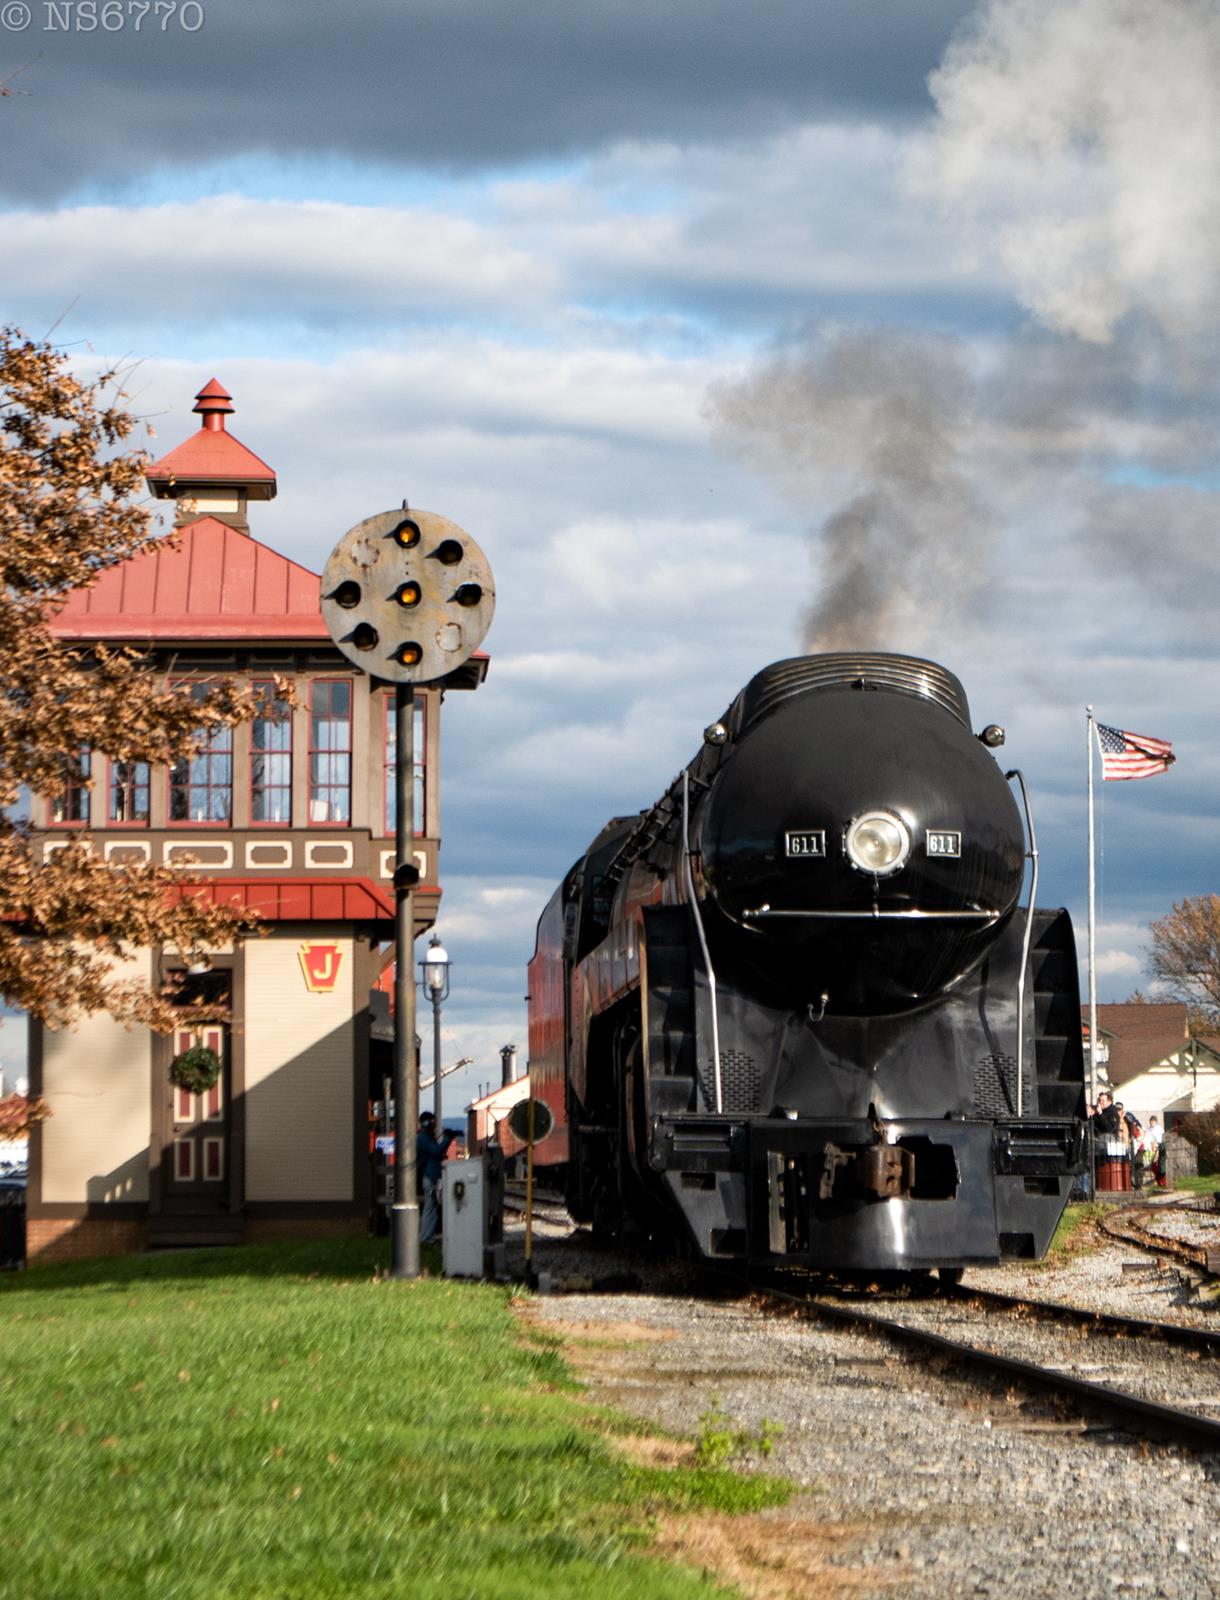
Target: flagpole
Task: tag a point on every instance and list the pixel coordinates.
(1092, 916)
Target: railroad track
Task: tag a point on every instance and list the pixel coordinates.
(1129, 1224)
(1137, 1357)
(1128, 1354)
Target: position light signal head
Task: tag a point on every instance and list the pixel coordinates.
(448, 552)
(407, 594)
(408, 654)
(406, 534)
(364, 636)
(469, 594)
(347, 595)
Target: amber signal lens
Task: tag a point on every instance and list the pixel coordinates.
(409, 654)
(407, 594)
(407, 534)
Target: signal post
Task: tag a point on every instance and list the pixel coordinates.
(407, 597)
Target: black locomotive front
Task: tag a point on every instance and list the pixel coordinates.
(808, 1007)
(861, 840)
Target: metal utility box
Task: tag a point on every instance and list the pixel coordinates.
(472, 1201)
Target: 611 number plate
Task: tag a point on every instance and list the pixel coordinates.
(809, 842)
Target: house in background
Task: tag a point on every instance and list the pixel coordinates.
(292, 815)
(1153, 1063)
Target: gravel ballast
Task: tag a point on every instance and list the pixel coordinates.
(916, 1482)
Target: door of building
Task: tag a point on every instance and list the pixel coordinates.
(197, 1166)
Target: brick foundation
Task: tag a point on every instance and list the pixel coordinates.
(70, 1239)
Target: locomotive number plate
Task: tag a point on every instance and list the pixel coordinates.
(811, 842)
(944, 842)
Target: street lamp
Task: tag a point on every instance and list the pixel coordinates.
(434, 970)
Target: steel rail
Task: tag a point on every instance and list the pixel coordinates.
(1147, 1417)
(1116, 1324)
(1199, 1256)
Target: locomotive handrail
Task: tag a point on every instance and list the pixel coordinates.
(974, 914)
(707, 955)
(1029, 930)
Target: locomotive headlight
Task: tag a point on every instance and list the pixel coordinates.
(878, 842)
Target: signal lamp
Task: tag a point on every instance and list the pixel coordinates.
(406, 534)
(878, 842)
(992, 736)
(347, 595)
(469, 594)
(364, 636)
(409, 654)
(407, 594)
(448, 552)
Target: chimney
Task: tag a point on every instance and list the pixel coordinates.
(508, 1065)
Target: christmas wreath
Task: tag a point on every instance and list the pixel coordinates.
(195, 1070)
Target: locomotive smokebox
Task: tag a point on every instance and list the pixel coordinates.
(858, 841)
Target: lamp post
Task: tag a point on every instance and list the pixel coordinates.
(434, 970)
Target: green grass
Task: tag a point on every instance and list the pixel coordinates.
(1205, 1185)
(273, 1422)
(1074, 1233)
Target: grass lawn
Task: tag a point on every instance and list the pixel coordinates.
(1073, 1233)
(1207, 1185)
(274, 1422)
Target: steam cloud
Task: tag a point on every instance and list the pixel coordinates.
(1080, 143)
(881, 420)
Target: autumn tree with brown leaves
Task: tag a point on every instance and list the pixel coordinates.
(1185, 957)
(67, 512)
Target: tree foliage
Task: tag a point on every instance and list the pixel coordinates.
(1185, 957)
(67, 512)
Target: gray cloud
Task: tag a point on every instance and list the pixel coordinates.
(884, 419)
(449, 83)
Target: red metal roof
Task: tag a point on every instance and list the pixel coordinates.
(214, 583)
(212, 455)
(300, 899)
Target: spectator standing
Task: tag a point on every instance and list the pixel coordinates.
(429, 1156)
(1154, 1140)
(1106, 1118)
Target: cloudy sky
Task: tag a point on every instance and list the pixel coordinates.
(727, 332)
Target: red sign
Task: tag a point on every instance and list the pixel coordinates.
(320, 963)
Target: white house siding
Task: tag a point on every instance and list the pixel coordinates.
(1171, 1085)
(298, 1055)
(96, 1079)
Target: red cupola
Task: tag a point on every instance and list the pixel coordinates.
(212, 474)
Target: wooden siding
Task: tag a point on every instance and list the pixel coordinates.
(299, 1055)
(95, 1077)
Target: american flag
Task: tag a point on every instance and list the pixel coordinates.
(1132, 755)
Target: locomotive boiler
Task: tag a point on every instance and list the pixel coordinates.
(800, 1010)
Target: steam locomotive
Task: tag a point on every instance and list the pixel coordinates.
(797, 1011)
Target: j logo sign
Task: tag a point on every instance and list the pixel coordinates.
(320, 963)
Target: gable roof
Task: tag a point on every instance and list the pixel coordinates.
(210, 582)
(1141, 1033)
